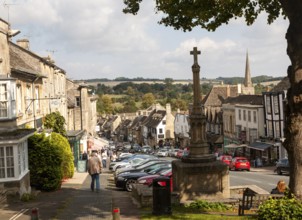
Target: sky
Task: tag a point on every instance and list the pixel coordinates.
(95, 39)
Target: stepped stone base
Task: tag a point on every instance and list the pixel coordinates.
(195, 181)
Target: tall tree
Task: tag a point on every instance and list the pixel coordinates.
(147, 100)
(210, 14)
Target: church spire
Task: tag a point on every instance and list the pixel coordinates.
(247, 79)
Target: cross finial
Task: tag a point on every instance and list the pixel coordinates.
(195, 52)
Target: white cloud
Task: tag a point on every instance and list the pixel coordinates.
(94, 39)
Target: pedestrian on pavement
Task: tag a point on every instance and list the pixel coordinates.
(110, 154)
(113, 156)
(280, 188)
(94, 170)
(84, 156)
(104, 158)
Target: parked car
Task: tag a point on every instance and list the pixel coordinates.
(240, 163)
(127, 159)
(127, 163)
(147, 149)
(179, 153)
(135, 148)
(173, 152)
(126, 180)
(148, 180)
(140, 168)
(282, 166)
(227, 159)
(162, 153)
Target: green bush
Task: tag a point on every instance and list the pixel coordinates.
(287, 207)
(45, 161)
(62, 143)
(202, 205)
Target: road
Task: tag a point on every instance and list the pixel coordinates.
(264, 180)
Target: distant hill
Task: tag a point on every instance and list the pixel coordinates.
(225, 80)
(255, 80)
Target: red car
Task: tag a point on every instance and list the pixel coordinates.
(240, 163)
(227, 159)
(148, 180)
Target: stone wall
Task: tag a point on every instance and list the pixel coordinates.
(15, 187)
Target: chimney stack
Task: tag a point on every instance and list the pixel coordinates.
(24, 43)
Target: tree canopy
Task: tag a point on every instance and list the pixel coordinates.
(208, 14)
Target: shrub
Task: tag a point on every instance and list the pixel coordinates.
(287, 207)
(62, 143)
(26, 197)
(202, 205)
(45, 161)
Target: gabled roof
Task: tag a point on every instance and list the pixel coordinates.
(245, 99)
(219, 93)
(137, 122)
(110, 121)
(282, 86)
(155, 118)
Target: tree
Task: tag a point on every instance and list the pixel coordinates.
(104, 104)
(147, 100)
(56, 122)
(211, 14)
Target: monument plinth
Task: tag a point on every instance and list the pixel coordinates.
(199, 175)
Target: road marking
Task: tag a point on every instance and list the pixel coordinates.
(17, 215)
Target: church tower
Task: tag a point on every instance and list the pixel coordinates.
(248, 88)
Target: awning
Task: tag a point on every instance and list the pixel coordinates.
(234, 145)
(99, 144)
(260, 145)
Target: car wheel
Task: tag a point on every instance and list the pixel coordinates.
(279, 172)
(129, 186)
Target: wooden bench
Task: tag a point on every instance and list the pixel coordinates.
(252, 200)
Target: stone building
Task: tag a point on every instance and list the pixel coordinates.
(81, 118)
(31, 87)
(212, 104)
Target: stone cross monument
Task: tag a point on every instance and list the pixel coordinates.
(199, 147)
(199, 175)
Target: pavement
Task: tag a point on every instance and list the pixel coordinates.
(76, 201)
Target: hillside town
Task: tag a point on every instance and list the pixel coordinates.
(237, 122)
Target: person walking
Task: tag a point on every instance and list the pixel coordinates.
(104, 158)
(94, 170)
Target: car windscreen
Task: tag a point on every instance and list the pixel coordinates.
(165, 171)
(147, 164)
(242, 160)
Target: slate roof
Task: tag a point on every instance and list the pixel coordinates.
(245, 99)
(281, 86)
(15, 135)
(22, 60)
(109, 122)
(137, 122)
(155, 118)
(19, 63)
(219, 93)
